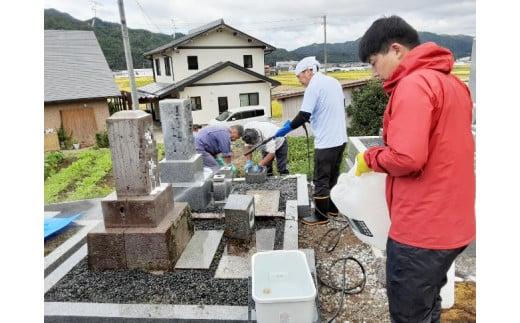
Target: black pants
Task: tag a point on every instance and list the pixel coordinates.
(281, 159)
(414, 278)
(326, 169)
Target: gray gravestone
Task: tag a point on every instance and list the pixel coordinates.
(134, 156)
(182, 166)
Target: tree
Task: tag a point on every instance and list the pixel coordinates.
(367, 109)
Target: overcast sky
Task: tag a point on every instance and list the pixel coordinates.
(283, 24)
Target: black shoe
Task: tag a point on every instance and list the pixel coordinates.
(333, 210)
(321, 205)
(314, 219)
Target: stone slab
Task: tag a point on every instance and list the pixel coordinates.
(233, 267)
(159, 248)
(137, 211)
(239, 216)
(205, 216)
(266, 202)
(302, 196)
(132, 313)
(201, 249)
(50, 214)
(196, 194)
(265, 239)
(290, 234)
(90, 209)
(188, 170)
(67, 248)
(291, 210)
(134, 155)
(106, 248)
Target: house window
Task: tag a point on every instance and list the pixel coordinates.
(167, 68)
(222, 104)
(248, 99)
(157, 66)
(196, 103)
(248, 61)
(193, 63)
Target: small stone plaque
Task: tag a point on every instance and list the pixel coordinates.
(266, 202)
(200, 250)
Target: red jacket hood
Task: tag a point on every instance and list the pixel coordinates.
(425, 56)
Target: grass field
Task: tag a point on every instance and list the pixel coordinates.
(123, 83)
(289, 79)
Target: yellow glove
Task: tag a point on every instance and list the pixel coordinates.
(362, 166)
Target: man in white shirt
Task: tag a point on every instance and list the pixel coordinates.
(255, 132)
(323, 104)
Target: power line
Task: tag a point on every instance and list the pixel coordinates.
(93, 6)
(146, 17)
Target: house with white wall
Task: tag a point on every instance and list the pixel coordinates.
(217, 66)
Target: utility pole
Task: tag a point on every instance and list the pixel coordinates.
(128, 56)
(173, 25)
(93, 6)
(325, 42)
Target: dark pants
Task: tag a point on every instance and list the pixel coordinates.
(414, 278)
(326, 169)
(281, 159)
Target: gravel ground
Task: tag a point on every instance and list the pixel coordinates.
(57, 239)
(171, 287)
(371, 305)
(286, 186)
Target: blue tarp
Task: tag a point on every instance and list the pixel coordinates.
(53, 225)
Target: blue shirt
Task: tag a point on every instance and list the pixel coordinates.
(214, 140)
(324, 100)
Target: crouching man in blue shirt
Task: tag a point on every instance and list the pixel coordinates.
(211, 141)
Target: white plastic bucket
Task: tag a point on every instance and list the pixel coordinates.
(448, 290)
(283, 289)
(362, 199)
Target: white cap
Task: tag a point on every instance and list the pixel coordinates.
(305, 63)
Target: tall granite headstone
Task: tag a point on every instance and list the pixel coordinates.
(142, 226)
(182, 166)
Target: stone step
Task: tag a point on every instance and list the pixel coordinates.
(200, 250)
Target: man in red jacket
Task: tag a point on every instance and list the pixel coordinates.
(429, 158)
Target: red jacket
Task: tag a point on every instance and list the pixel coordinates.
(428, 153)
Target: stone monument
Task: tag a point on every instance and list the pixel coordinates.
(142, 226)
(239, 216)
(182, 166)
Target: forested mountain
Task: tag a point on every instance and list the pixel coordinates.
(345, 52)
(111, 42)
(110, 39)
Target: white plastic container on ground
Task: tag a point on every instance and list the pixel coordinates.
(283, 289)
(362, 199)
(448, 290)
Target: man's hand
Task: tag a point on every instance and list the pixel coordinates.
(220, 161)
(249, 164)
(233, 169)
(362, 166)
(285, 129)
